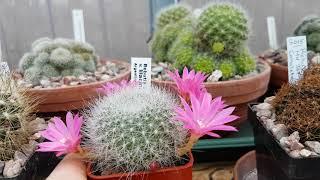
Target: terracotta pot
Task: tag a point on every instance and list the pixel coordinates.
(72, 97)
(255, 166)
(183, 172)
(235, 92)
(279, 74)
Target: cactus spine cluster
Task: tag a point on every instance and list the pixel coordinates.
(15, 112)
(215, 39)
(310, 27)
(135, 130)
(59, 57)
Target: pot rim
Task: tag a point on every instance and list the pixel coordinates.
(189, 164)
(57, 89)
(240, 161)
(265, 72)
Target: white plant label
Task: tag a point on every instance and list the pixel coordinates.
(272, 32)
(141, 71)
(78, 25)
(4, 68)
(0, 52)
(297, 57)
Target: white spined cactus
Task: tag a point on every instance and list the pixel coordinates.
(132, 129)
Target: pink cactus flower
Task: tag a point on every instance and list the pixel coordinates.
(111, 87)
(205, 115)
(64, 139)
(189, 83)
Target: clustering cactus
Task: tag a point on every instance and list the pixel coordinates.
(310, 27)
(214, 40)
(59, 57)
(135, 131)
(15, 112)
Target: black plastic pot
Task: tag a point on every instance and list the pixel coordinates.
(292, 168)
(38, 167)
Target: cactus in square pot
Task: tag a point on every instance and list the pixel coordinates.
(134, 133)
(18, 131)
(212, 41)
(65, 73)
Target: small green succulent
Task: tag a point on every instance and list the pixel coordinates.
(227, 68)
(204, 63)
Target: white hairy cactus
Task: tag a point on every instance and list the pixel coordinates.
(132, 130)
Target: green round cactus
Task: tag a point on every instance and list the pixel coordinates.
(310, 27)
(203, 63)
(181, 52)
(26, 61)
(172, 14)
(33, 75)
(41, 59)
(135, 130)
(58, 57)
(183, 57)
(228, 69)
(49, 71)
(244, 63)
(67, 72)
(62, 57)
(222, 24)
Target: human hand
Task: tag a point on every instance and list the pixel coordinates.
(72, 167)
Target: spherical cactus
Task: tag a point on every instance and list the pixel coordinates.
(81, 47)
(244, 63)
(16, 109)
(310, 27)
(67, 72)
(135, 130)
(33, 75)
(227, 68)
(41, 59)
(183, 57)
(49, 71)
(39, 41)
(61, 57)
(181, 52)
(222, 24)
(78, 71)
(26, 61)
(164, 38)
(171, 14)
(203, 63)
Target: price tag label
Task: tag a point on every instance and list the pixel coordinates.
(297, 57)
(78, 25)
(4, 68)
(141, 71)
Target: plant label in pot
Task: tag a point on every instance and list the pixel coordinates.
(297, 57)
(141, 71)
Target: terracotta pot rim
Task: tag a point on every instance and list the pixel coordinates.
(57, 89)
(240, 160)
(265, 72)
(143, 173)
(280, 66)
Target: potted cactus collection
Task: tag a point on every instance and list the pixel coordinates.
(18, 131)
(64, 73)
(142, 133)
(277, 59)
(287, 126)
(211, 40)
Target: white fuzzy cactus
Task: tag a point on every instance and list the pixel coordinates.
(132, 130)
